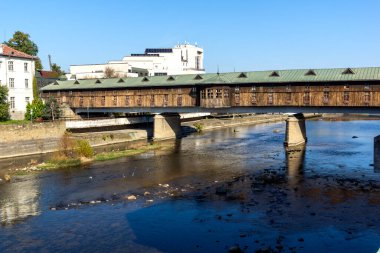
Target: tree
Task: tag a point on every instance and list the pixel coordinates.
(57, 69)
(110, 72)
(35, 88)
(35, 110)
(37, 63)
(21, 41)
(4, 105)
(52, 110)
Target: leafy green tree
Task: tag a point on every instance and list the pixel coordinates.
(22, 42)
(4, 105)
(57, 69)
(35, 88)
(52, 110)
(35, 110)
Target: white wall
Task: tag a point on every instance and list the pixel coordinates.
(20, 92)
(122, 69)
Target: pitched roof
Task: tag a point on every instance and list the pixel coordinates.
(253, 77)
(47, 74)
(8, 51)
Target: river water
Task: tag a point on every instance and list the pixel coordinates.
(219, 191)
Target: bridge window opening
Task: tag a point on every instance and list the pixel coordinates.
(127, 100)
(152, 100)
(166, 99)
(226, 93)
(288, 88)
(242, 75)
(114, 92)
(139, 100)
(92, 101)
(367, 97)
(288, 97)
(114, 100)
(326, 88)
(80, 101)
(203, 94)
(270, 98)
(306, 98)
(179, 91)
(310, 73)
(326, 97)
(103, 101)
(253, 88)
(307, 88)
(274, 74)
(194, 89)
(367, 87)
(346, 87)
(70, 93)
(348, 71)
(346, 97)
(179, 100)
(218, 93)
(237, 98)
(209, 93)
(237, 89)
(254, 98)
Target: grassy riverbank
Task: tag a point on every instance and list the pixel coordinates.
(104, 156)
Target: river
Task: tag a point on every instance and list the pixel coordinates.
(219, 191)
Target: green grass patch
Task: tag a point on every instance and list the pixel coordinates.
(124, 153)
(59, 164)
(14, 122)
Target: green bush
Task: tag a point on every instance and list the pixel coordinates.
(35, 110)
(198, 126)
(84, 149)
(4, 105)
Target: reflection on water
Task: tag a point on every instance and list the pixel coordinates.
(21, 200)
(316, 192)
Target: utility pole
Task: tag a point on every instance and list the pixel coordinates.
(49, 56)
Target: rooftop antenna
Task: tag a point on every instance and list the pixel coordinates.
(49, 56)
(217, 71)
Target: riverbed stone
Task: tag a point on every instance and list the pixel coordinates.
(131, 197)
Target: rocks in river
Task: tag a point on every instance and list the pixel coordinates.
(235, 249)
(7, 178)
(354, 137)
(149, 200)
(164, 185)
(146, 193)
(131, 197)
(276, 131)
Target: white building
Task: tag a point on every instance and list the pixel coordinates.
(16, 72)
(182, 59)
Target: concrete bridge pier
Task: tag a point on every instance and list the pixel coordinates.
(376, 153)
(295, 130)
(167, 126)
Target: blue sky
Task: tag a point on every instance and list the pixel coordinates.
(236, 35)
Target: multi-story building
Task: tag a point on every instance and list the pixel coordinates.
(16, 72)
(179, 60)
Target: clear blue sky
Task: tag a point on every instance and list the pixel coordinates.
(241, 35)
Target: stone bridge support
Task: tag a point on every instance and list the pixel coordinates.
(376, 153)
(295, 130)
(167, 126)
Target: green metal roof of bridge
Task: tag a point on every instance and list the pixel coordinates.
(253, 77)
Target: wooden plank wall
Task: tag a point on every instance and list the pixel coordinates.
(225, 96)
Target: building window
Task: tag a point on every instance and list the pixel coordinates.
(288, 97)
(12, 104)
(25, 67)
(325, 97)
(367, 97)
(226, 93)
(166, 99)
(346, 97)
(203, 94)
(218, 93)
(127, 100)
(26, 83)
(179, 100)
(103, 101)
(254, 98)
(210, 93)
(10, 65)
(306, 98)
(114, 100)
(11, 82)
(270, 98)
(152, 100)
(27, 100)
(139, 100)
